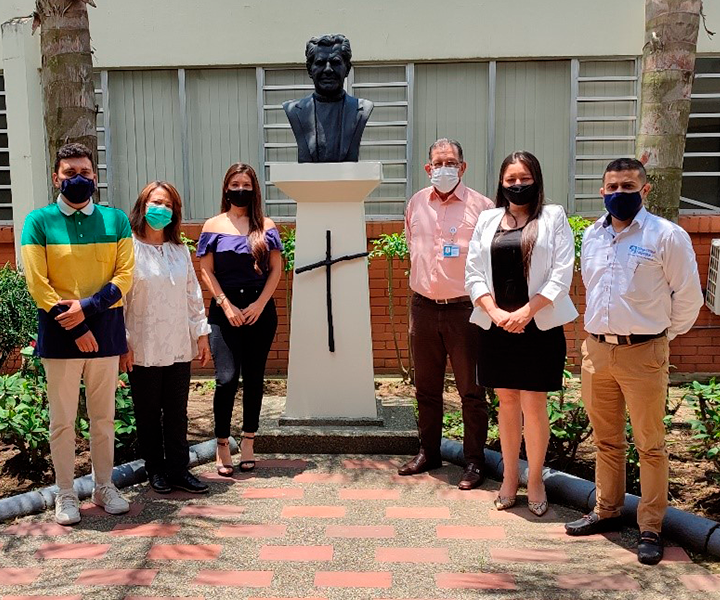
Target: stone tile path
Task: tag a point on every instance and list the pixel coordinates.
(331, 527)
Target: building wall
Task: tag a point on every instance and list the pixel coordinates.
(694, 352)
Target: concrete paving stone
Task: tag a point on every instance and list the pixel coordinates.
(353, 579)
(310, 477)
(470, 532)
(423, 478)
(368, 494)
(417, 512)
(285, 598)
(211, 510)
(318, 512)
(476, 495)
(252, 531)
(297, 553)
(534, 555)
(18, 575)
(37, 528)
(360, 531)
(705, 582)
(597, 581)
(671, 555)
(475, 581)
(412, 555)
(185, 552)
(146, 529)
(88, 509)
(82, 550)
(143, 577)
(253, 579)
(369, 463)
(258, 493)
(162, 598)
(78, 597)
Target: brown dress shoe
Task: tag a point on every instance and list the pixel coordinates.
(472, 477)
(420, 464)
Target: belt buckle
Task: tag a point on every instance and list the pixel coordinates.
(611, 339)
(442, 301)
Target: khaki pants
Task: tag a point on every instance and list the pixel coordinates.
(635, 376)
(63, 382)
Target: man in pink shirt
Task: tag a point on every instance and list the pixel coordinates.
(439, 222)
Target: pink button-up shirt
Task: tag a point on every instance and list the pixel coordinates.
(430, 224)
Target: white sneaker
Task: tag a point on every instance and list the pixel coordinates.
(67, 507)
(107, 496)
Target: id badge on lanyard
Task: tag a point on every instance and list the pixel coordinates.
(450, 248)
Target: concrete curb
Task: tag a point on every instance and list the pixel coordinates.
(123, 476)
(691, 531)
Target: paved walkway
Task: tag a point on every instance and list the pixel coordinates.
(333, 527)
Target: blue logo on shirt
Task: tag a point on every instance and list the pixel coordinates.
(640, 251)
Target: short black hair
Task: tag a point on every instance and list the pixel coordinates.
(73, 151)
(446, 142)
(626, 164)
(330, 40)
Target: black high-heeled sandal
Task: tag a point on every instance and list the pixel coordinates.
(246, 465)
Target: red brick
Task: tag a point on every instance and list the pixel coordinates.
(146, 530)
(318, 512)
(282, 463)
(297, 553)
(475, 581)
(73, 551)
(184, 552)
(49, 529)
(468, 532)
(353, 579)
(260, 493)
(417, 512)
(211, 510)
(597, 581)
(18, 576)
(252, 531)
(418, 479)
(117, 577)
(520, 513)
(88, 509)
(476, 495)
(368, 463)
(412, 555)
(45, 598)
(534, 555)
(162, 598)
(217, 478)
(256, 579)
(360, 531)
(368, 494)
(309, 477)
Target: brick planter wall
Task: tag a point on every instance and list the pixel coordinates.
(696, 352)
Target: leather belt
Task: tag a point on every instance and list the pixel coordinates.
(627, 340)
(445, 301)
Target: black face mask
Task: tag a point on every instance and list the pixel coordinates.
(521, 194)
(77, 189)
(240, 198)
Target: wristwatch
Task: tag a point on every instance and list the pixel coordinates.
(220, 299)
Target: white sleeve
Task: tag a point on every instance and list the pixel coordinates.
(476, 283)
(681, 272)
(563, 259)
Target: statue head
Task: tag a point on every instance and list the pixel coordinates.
(328, 62)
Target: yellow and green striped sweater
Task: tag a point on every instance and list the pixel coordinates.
(78, 257)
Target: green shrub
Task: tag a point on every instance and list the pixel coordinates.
(287, 237)
(578, 225)
(18, 313)
(705, 401)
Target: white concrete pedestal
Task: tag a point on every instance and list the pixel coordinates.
(330, 387)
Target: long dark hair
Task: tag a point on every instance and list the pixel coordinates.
(529, 234)
(256, 235)
(137, 214)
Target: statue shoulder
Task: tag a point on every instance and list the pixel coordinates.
(365, 106)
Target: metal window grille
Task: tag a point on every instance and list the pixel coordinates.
(6, 214)
(387, 138)
(100, 80)
(701, 167)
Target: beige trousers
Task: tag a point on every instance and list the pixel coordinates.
(636, 377)
(63, 382)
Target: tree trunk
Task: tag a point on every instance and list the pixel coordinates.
(668, 66)
(67, 74)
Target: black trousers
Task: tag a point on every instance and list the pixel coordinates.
(439, 331)
(240, 351)
(160, 397)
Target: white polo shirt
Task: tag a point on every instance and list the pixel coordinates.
(642, 280)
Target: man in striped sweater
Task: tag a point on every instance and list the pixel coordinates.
(78, 261)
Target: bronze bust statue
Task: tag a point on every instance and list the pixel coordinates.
(329, 123)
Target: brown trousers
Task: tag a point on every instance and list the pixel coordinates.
(436, 332)
(635, 376)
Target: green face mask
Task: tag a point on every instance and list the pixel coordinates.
(158, 216)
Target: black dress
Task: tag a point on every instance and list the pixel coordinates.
(533, 360)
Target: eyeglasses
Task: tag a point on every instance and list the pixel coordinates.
(450, 163)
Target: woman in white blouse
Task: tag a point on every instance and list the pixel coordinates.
(166, 329)
(518, 274)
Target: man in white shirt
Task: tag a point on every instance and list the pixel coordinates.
(643, 290)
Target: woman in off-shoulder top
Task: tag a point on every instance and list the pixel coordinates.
(241, 265)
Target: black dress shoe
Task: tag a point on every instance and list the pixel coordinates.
(592, 523)
(188, 483)
(420, 464)
(159, 483)
(650, 548)
(473, 476)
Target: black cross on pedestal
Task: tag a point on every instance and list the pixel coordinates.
(327, 263)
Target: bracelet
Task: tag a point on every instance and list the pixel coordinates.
(220, 299)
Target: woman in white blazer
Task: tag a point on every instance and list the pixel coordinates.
(518, 274)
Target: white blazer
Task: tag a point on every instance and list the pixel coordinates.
(551, 266)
